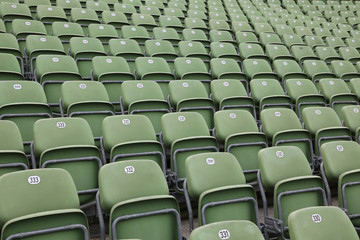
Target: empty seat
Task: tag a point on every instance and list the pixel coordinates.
(50, 14)
(111, 72)
(23, 102)
(103, 32)
(68, 143)
(286, 175)
(229, 197)
(10, 68)
(137, 33)
(135, 202)
(83, 50)
(352, 120)
(191, 95)
(321, 223)
(65, 31)
(185, 134)
(10, 11)
(87, 100)
(116, 19)
(324, 126)
(316, 70)
(145, 98)
(130, 137)
(237, 131)
(58, 217)
(344, 70)
(268, 93)
(84, 17)
(288, 69)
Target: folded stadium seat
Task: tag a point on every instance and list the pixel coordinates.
(155, 3)
(237, 132)
(196, 23)
(295, 23)
(138, 33)
(68, 143)
(302, 53)
(127, 9)
(98, 7)
(236, 16)
(87, 100)
(41, 45)
(321, 223)
(277, 52)
(292, 40)
(282, 127)
(324, 126)
(83, 50)
(57, 217)
(303, 31)
(312, 24)
(224, 50)
(222, 36)
(175, 12)
(11, 68)
(23, 102)
(283, 29)
(351, 120)
(22, 28)
(145, 20)
(195, 35)
(67, 5)
(341, 167)
(242, 26)
(163, 49)
(103, 32)
(338, 20)
(353, 42)
(51, 71)
(344, 70)
(334, 42)
(110, 3)
(337, 94)
(115, 19)
(156, 69)
(84, 17)
(258, 69)
(355, 86)
(245, 37)
(227, 198)
(316, 70)
(171, 22)
(184, 134)
(227, 68)
(353, 21)
(151, 10)
(11, 11)
(349, 54)
(111, 72)
(269, 38)
(191, 95)
(322, 32)
(274, 21)
(268, 93)
(65, 31)
(237, 228)
(340, 33)
(130, 137)
(126, 48)
(229, 94)
(32, 4)
(327, 54)
(145, 98)
(303, 93)
(197, 7)
(257, 19)
(193, 69)
(219, 25)
(288, 69)
(263, 27)
(218, 15)
(252, 50)
(50, 14)
(328, 25)
(168, 34)
(194, 49)
(135, 3)
(146, 205)
(12, 149)
(177, 4)
(285, 174)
